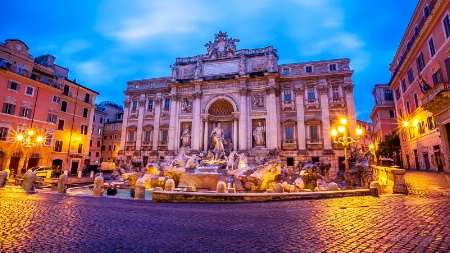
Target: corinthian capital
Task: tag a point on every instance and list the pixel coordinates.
(197, 94)
(323, 89)
(299, 90)
(348, 87)
(245, 91)
(126, 103)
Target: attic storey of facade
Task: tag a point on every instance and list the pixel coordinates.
(259, 104)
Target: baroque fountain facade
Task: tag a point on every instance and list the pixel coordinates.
(238, 113)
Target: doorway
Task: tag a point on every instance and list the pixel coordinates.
(74, 167)
(2, 159)
(408, 166)
(14, 165)
(416, 159)
(341, 162)
(427, 161)
(290, 161)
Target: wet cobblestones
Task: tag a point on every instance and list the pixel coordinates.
(49, 222)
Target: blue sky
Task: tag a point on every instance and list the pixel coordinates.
(107, 43)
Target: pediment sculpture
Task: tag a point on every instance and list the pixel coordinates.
(222, 45)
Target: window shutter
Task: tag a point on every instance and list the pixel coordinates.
(18, 86)
(13, 109)
(30, 112)
(9, 85)
(22, 112)
(447, 67)
(4, 107)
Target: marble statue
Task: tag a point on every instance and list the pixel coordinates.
(186, 137)
(258, 134)
(217, 135)
(191, 162)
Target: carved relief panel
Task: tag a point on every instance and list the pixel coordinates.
(258, 101)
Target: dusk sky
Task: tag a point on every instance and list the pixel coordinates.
(107, 43)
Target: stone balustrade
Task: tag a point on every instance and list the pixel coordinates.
(391, 179)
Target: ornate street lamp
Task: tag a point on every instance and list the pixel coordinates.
(340, 136)
(28, 139)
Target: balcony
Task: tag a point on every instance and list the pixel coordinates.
(130, 143)
(289, 144)
(314, 143)
(438, 98)
(335, 102)
(288, 105)
(312, 103)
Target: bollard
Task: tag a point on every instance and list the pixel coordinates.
(278, 188)
(79, 173)
(374, 189)
(29, 180)
(3, 178)
(49, 174)
(221, 187)
(170, 185)
(91, 175)
(140, 189)
(62, 182)
(158, 189)
(98, 185)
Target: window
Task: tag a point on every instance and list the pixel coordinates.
(52, 118)
(446, 24)
(87, 97)
(426, 11)
(285, 72)
(103, 148)
(335, 91)
(289, 133)
(308, 69)
(431, 47)
(430, 123)
(332, 67)
(60, 125)
(90, 143)
(80, 148)
(420, 62)
(99, 132)
(416, 100)
(388, 95)
(437, 77)
(408, 109)
(97, 154)
(85, 112)
(114, 147)
(58, 146)
(403, 85)
(313, 132)
(84, 129)
(9, 108)
(107, 120)
(311, 95)
(66, 90)
(3, 133)
(115, 136)
(400, 113)
(416, 30)
(98, 143)
(56, 99)
(48, 139)
(25, 112)
(391, 114)
(410, 75)
(147, 136)
(130, 135)
(101, 119)
(104, 137)
(13, 86)
(93, 119)
(109, 148)
(110, 137)
(164, 136)
(136, 86)
(64, 106)
(134, 106)
(152, 84)
(150, 105)
(167, 103)
(29, 91)
(287, 95)
(397, 93)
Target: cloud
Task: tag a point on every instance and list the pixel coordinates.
(94, 72)
(75, 46)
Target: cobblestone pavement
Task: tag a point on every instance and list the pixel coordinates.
(51, 222)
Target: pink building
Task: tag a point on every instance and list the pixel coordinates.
(420, 80)
(37, 94)
(383, 114)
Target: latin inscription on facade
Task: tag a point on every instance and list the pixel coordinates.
(225, 67)
(221, 86)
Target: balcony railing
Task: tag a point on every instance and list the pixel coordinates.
(130, 143)
(431, 94)
(289, 144)
(288, 104)
(314, 143)
(312, 103)
(337, 101)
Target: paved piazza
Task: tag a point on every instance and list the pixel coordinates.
(50, 222)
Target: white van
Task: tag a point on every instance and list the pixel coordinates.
(107, 166)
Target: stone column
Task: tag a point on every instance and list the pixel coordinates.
(205, 132)
(125, 123)
(272, 127)
(243, 128)
(196, 121)
(350, 102)
(141, 112)
(155, 139)
(235, 131)
(325, 108)
(299, 104)
(173, 119)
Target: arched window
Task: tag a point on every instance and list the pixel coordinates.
(388, 95)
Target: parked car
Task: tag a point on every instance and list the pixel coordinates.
(41, 171)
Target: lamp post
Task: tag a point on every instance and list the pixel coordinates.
(28, 139)
(345, 141)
